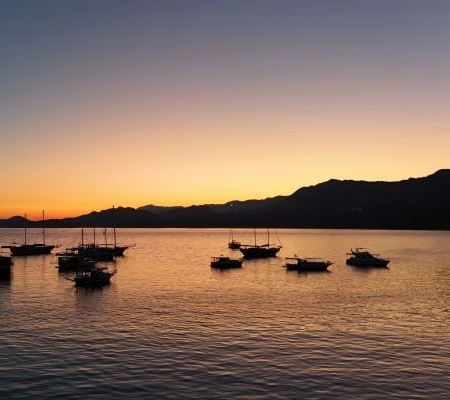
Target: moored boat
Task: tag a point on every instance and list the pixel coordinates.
(93, 277)
(72, 261)
(307, 264)
(93, 250)
(117, 250)
(234, 244)
(225, 262)
(30, 249)
(101, 251)
(361, 257)
(260, 251)
(96, 252)
(27, 249)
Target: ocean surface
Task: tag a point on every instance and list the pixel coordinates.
(170, 327)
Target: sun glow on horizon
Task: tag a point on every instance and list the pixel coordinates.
(58, 209)
(186, 106)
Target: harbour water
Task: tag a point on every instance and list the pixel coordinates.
(170, 327)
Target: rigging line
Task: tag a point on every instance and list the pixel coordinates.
(276, 234)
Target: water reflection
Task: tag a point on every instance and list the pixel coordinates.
(5, 282)
(6, 274)
(240, 333)
(5, 297)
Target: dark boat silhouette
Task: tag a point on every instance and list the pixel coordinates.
(27, 249)
(93, 250)
(72, 261)
(92, 277)
(5, 266)
(117, 249)
(307, 264)
(360, 257)
(223, 262)
(232, 243)
(260, 251)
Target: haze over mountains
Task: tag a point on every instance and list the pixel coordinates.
(415, 203)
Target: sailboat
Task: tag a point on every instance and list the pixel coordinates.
(117, 249)
(94, 251)
(101, 252)
(232, 243)
(260, 251)
(27, 249)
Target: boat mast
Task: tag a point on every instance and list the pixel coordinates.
(254, 234)
(94, 236)
(82, 237)
(25, 229)
(230, 238)
(43, 229)
(106, 240)
(114, 230)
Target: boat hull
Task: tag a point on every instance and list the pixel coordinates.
(225, 263)
(371, 263)
(97, 253)
(308, 266)
(92, 282)
(119, 250)
(313, 267)
(259, 252)
(93, 277)
(31, 249)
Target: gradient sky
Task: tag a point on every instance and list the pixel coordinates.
(189, 102)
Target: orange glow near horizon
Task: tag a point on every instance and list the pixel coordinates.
(193, 164)
(188, 106)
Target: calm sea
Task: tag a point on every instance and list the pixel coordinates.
(170, 327)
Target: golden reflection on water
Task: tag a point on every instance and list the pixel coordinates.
(167, 310)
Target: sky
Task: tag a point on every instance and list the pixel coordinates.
(166, 102)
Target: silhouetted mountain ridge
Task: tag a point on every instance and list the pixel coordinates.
(414, 203)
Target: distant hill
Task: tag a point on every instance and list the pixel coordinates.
(14, 222)
(415, 203)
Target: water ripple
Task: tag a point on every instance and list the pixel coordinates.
(169, 327)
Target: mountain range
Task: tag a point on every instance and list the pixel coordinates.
(415, 203)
